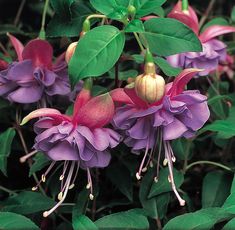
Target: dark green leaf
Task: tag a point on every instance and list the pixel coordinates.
(123, 75)
(94, 57)
(83, 223)
(230, 225)
(163, 185)
(6, 139)
(155, 207)
(80, 207)
(40, 161)
(229, 205)
(120, 176)
(128, 220)
(69, 17)
(166, 68)
(12, 221)
(167, 36)
(145, 7)
(5, 28)
(215, 189)
(182, 148)
(27, 202)
(200, 220)
(135, 26)
(107, 7)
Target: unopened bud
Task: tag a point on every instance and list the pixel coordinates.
(149, 86)
(70, 51)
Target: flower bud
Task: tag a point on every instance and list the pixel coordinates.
(149, 86)
(70, 51)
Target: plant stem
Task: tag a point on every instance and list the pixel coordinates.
(184, 5)
(186, 155)
(210, 163)
(96, 16)
(208, 10)
(17, 18)
(42, 33)
(139, 42)
(7, 190)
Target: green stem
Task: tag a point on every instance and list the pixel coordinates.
(209, 163)
(96, 16)
(185, 5)
(7, 190)
(42, 33)
(139, 42)
(186, 155)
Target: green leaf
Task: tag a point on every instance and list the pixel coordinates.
(182, 148)
(27, 202)
(215, 21)
(120, 176)
(230, 225)
(215, 189)
(128, 220)
(12, 221)
(217, 98)
(229, 205)
(202, 219)
(94, 57)
(83, 223)
(6, 139)
(40, 161)
(233, 14)
(163, 185)
(145, 7)
(123, 75)
(80, 206)
(135, 26)
(167, 36)
(155, 207)
(166, 68)
(69, 17)
(107, 7)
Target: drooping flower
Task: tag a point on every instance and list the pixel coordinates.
(80, 140)
(34, 75)
(178, 114)
(227, 67)
(214, 51)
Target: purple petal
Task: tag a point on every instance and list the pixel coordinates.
(26, 94)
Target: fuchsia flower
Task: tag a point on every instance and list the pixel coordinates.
(227, 67)
(178, 114)
(214, 51)
(34, 75)
(80, 140)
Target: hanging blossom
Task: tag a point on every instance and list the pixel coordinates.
(80, 140)
(214, 50)
(34, 75)
(145, 126)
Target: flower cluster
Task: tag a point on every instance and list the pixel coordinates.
(214, 50)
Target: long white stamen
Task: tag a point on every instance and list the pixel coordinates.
(159, 154)
(138, 175)
(25, 157)
(43, 178)
(89, 184)
(171, 177)
(66, 163)
(75, 176)
(47, 213)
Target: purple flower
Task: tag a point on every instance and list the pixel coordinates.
(178, 114)
(214, 51)
(34, 75)
(80, 140)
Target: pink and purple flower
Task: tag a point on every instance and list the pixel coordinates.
(180, 113)
(214, 51)
(34, 76)
(80, 140)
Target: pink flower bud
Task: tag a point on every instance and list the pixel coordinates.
(70, 51)
(149, 86)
